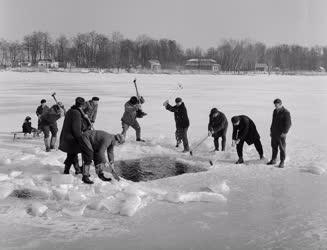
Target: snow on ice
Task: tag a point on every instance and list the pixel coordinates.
(32, 186)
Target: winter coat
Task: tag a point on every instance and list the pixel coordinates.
(99, 142)
(281, 122)
(40, 110)
(218, 125)
(247, 130)
(51, 116)
(27, 127)
(180, 113)
(129, 116)
(91, 110)
(71, 133)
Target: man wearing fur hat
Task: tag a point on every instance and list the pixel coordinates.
(71, 142)
(217, 128)
(98, 143)
(181, 120)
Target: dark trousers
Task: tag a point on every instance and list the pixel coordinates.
(135, 126)
(181, 135)
(223, 142)
(278, 142)
(47, 128)
(71, 159)
(257, 144)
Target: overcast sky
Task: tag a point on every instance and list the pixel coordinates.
(190, 22)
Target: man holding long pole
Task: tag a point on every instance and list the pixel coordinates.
(181, 120)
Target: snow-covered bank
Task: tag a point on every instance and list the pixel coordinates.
(252, 206)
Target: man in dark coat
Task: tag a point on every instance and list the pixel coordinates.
(129, 117)
(91, 108)
(281, 123)
(98, 143)
(244, 130)
(181, 120)
(71, 142)
(40, 110)
(49, 124)
(217, 128)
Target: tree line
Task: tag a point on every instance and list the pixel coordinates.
(94, 50)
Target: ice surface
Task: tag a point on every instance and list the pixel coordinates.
(220, 188)
(6, 188)
(112, 205)
(4, 177)
(130, 205)
(60, 179)
(60, 193)
(74, 211)
(38, 209)
(267, 208)
(75, 196)
(195, 196)
(14, 174)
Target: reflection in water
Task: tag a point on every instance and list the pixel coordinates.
(152, 168)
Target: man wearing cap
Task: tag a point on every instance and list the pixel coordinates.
(244, 130)
(281, 123)
(91, 108)
(217, 128)
(71, 142)
(98, 143)
(181, 120)
(130, 115)
(40, 110)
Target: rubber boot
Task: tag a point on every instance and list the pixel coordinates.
(271, 162)
(47, 144)
(281, 164)
(239, 161)
(67, 168)
(78, 169)
(139, 139)
(86, 174)
(103, 178)
(99, 171)
(216, 143)
(53, 142)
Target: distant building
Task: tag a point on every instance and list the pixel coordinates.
(47, 64)
(202, 64)
(261, 67)
(70, 65)
(24, 64)
(154, 64)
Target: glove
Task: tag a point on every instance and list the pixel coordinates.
(166, 103)
(283, 135)
(210, 133)
(233, 143)
(142, 100)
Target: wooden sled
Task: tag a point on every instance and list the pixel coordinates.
(32, 135)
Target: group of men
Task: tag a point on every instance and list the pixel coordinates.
(244, 130)
(78, 135)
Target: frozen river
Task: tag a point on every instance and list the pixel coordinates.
(266, 208)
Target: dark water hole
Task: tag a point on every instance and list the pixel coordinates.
(152, 168)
